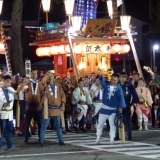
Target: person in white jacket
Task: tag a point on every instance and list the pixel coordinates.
(6, 113)
(81, 99)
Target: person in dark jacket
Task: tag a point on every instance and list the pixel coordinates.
(130, 97)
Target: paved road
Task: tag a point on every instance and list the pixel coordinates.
(81, 147)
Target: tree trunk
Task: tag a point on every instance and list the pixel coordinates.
(16, 47)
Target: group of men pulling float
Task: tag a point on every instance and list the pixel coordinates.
(105, 99)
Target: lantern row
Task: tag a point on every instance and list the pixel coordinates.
(86, 49)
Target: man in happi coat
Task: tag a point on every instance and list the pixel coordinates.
(33, 106)
(6, 113)
(96, 92)
(81, 99)
(112, 100)
(56, 100)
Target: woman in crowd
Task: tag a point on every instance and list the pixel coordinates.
(145, 103)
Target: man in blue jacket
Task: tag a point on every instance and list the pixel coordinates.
(130, 97)
(112, 100)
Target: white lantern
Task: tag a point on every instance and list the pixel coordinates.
(46, 51)
(125, 48)
(61, 49)
(110, 8)
(54, 50)
(69, 4)
(67, 49)
(78, 49)
(87, 48)
(1, 5)
(39, 52)
(46, 5)
(97, 48)
(106, 48)
(116, 48)
(125, 22)
(76, 22)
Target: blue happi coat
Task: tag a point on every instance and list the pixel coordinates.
(115, 101)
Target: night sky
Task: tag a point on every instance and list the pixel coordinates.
(31, 11)
(136, 8)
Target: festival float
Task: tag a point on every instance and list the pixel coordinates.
(89, 46)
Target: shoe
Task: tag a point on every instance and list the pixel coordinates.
(62, 144)
(25, 142)
(112, 142)
(84, 130)
(64, 131)
(68, 130)
(20, 135)
(77, 130)
(13, 148)
(1, 150)
(146, 129)
(41, 145)
(97, 142)
(129, 139)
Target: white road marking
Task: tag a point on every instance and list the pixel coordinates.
(130, 148)
(46, 154)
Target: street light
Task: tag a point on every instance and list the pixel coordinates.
(46, 7)
(155, 48)
(1, 5)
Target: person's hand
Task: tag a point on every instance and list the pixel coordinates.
(132, 81)
(99, 71)
(25, 81)
(156, 97)
(93, 112)
(120, 110)
(148, 69)
(45, 78)
(6, 104)
(62, 107)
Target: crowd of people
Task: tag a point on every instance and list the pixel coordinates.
(63, 104)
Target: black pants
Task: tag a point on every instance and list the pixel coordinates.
(37, 117)
(153, 116)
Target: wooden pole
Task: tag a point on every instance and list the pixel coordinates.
(135, 54)
(73, 57)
